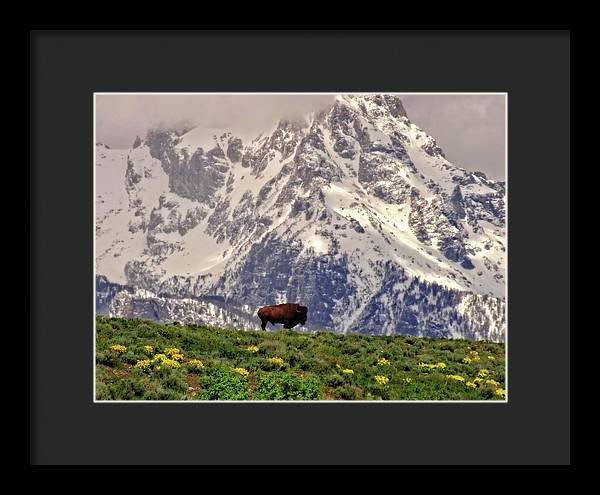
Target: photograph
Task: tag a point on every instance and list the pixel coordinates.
(282, 247)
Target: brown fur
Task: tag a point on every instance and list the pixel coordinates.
(290, 314)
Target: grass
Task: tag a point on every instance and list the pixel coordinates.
(144, 360)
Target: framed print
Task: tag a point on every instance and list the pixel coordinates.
(377, 263)
(302, 247)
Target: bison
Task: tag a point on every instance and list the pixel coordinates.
(289, 314)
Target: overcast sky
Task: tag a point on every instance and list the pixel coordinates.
(469, 128)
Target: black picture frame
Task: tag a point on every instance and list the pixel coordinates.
(67, 67)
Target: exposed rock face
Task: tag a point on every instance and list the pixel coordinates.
(201, 176)
(457, 204)
(129, 302)
(423, 308)
(355, 213)
(432, 149)
(234, 150)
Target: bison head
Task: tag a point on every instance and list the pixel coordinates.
(302, 311)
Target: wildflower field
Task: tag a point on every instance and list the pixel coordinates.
(145, 360)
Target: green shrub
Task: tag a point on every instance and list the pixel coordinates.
(348, 392)
(102, 391)
(221, 383)
(312, 365)
(279, 385)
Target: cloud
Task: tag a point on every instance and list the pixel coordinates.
(121, 117)
(469, 128)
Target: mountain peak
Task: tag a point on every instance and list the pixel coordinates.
(293, 123)
(366, 102)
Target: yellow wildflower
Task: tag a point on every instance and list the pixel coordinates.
(493, 383)
(476, 359)
(383, 362)
(382, 380)
(252, 348)
(348, 371)
(196, 363)
(500, 391)
(458, 378)
(143, 364)
(471, 385)
(474, 353)
(118, 348)
(408, 379)
(241, 371)
(467, 360)
(483, 373)
(149, 349)
(478, 380)
(164, 360)
(337, 365)
(490, 357)
(432, 366)
(174, 353)
(276, 360)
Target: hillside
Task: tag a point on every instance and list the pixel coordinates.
(354, 212)
(145, 360)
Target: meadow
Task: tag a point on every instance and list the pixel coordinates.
(146, 360)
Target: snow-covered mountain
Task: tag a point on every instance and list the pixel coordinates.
(354, 212)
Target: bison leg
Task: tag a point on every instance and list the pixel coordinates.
(263, 324)
(289, 325)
